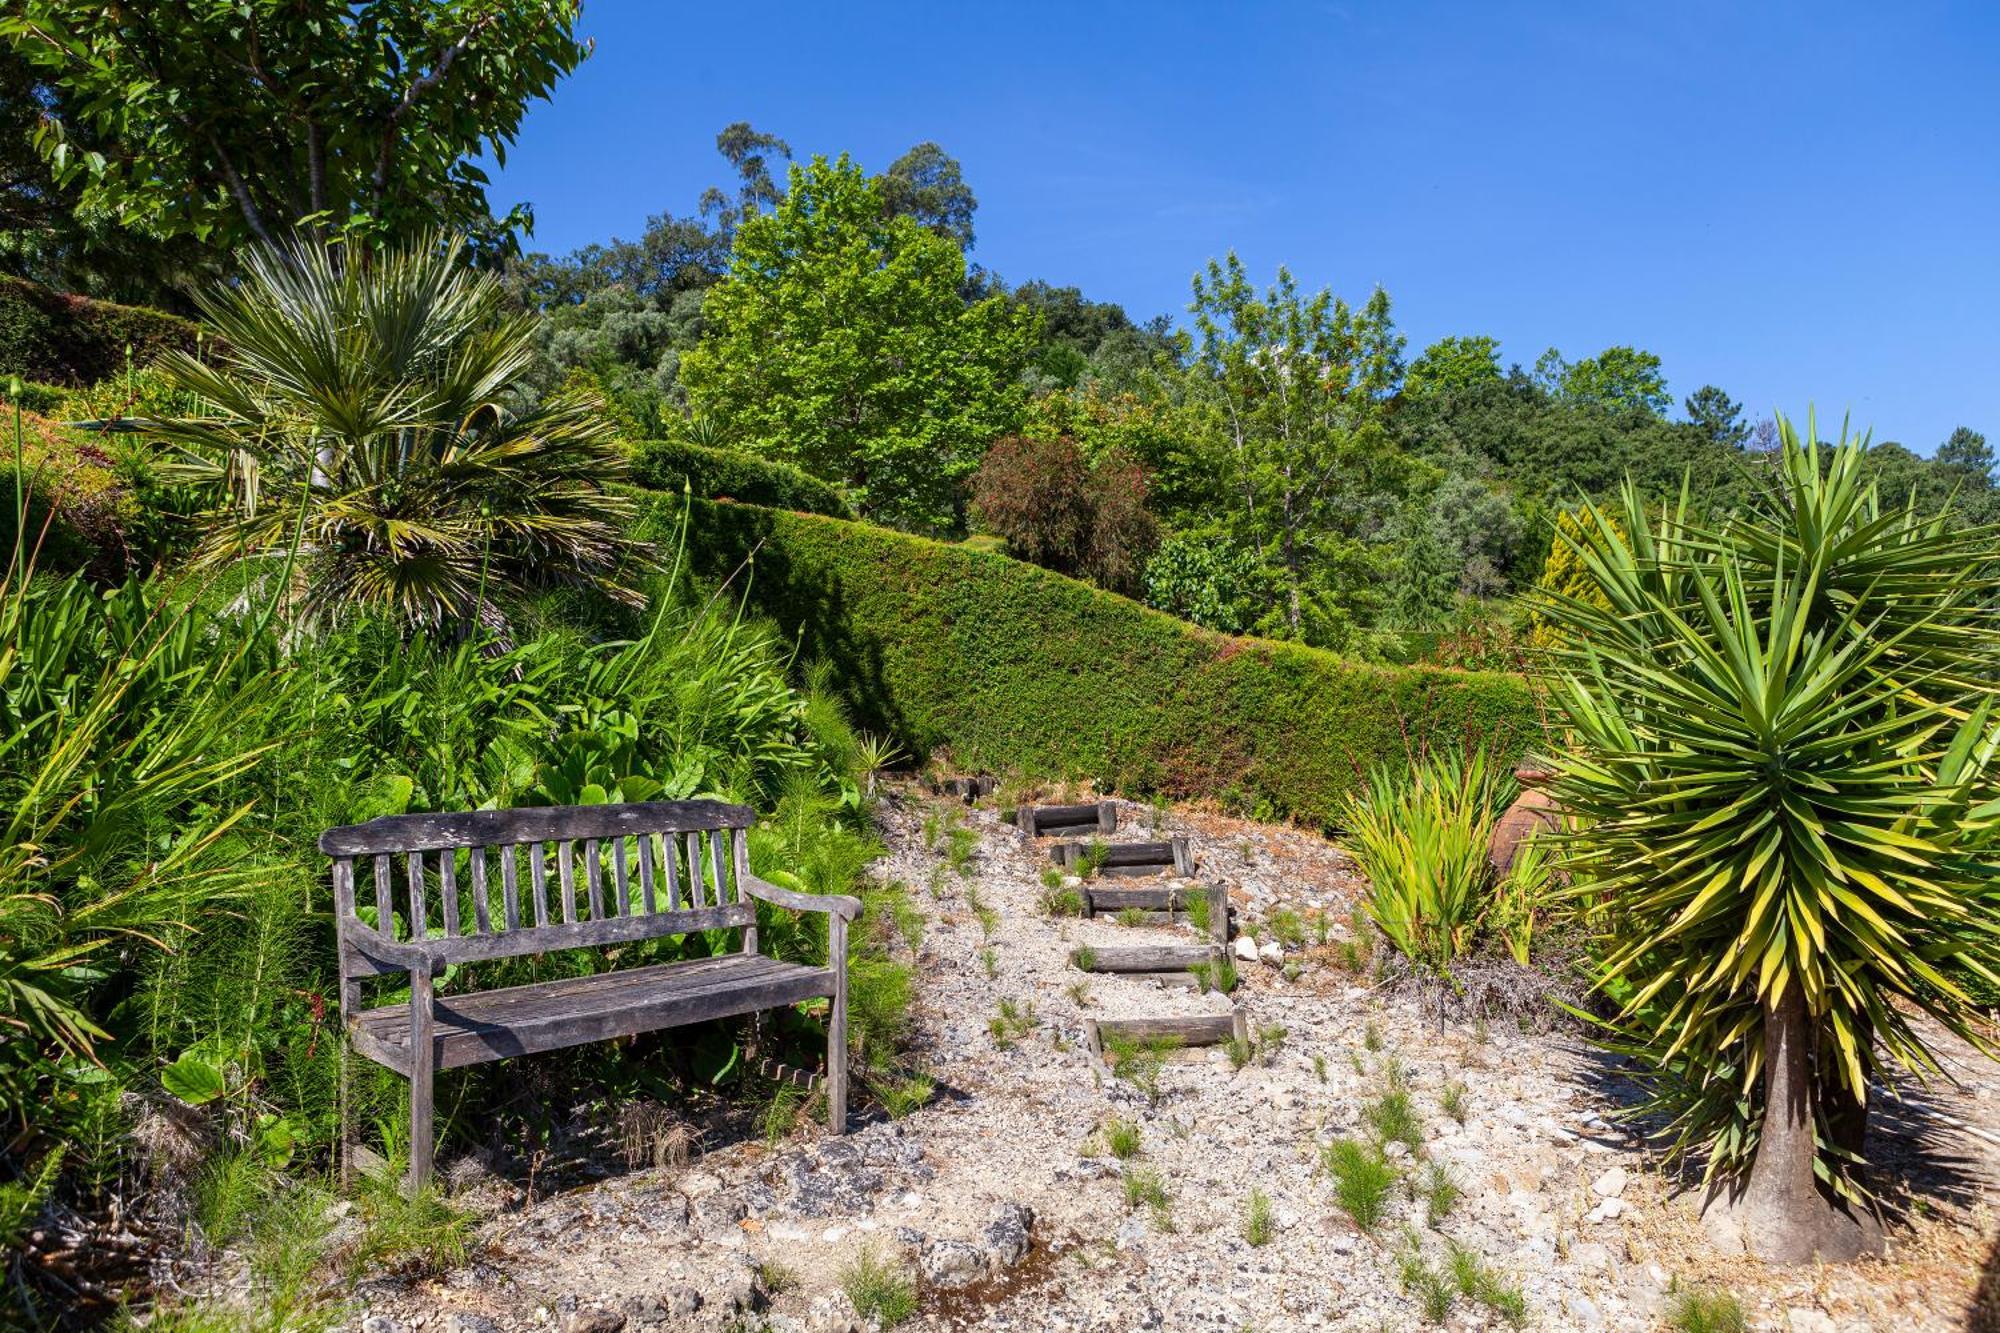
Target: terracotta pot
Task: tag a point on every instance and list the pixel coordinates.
(1532, 811)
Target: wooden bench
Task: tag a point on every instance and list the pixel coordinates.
(693, 874)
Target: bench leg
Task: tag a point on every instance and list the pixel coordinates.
(346, 1119)
(422, 1069)
(836, 1030)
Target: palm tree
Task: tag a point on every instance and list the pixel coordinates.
(1782, 760)
(357, 417)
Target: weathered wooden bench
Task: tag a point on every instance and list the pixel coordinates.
(693, 874)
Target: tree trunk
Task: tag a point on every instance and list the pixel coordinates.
(1779, 1214)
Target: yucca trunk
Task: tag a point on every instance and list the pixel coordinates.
(1780, 1214)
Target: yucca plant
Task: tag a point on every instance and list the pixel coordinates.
(1781, 765)
(360, 414)
(1421, 842)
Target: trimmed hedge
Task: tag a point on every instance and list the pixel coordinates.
(1015, 668)
(49, 335)
(724, 474)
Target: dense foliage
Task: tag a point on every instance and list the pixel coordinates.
(725, 474)
(1016, 668)
(840, 341)
(1781, 758)
(232, 123)
(46, 335)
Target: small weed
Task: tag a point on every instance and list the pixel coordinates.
(1363, 1180)
(1394, 1119)
(1354, 1058)
(1439, 1191)
(959, 846)
(781, 1114)
(425, 1231)
(1394, 1077)
(1123, 1138)
(1079, 993)
(1452, 1101)
(1475, 1281)
(879, 1289)
(1145, 1189)
(1270, 1040)
(934, 825)
(901, 1096)
(989, 963)
(1091, 859)
(1139, 1062)
(935, 885)
(989, 920)
(1218, 975)
(1707, 1310)
(1292, 971)
(1260, 1220)
(1241, 1051)
(1011, 1024)
(1059, 900)
(1319, 1067)
(1084, 957)
(1131, 916)
(1434, 1290)
(1198, 907)
(1481, 1033)
(1287, 926)
(776, 1278)
(1371, 1036)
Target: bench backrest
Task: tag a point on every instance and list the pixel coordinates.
(486, 877)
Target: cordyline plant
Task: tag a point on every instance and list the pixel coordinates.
(359, 421)
(1781, 765)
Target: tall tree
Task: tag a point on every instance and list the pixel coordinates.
(245, 120)
(1616, 379)
(749, 151)
(840, 342)
(1454, 365)
(928, 185)
(1967, 458)
(1717, 416)
(1298, 383)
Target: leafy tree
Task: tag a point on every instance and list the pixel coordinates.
(1298, 385)
(839, 342)
(1454, 365)
(1716, 415)
(240, 121)
(1616, 379)
(749, 151)
(1200, 575)
(926, 184)
(1090, 341)
(356, 419)
(1967, 457)
(1783, 775)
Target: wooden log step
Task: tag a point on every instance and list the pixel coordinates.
(1145, 957)
(1145, 858)
(1103, 900)
(1041, 821)
(968, 789)
(1200, 1030)
(1185, 980)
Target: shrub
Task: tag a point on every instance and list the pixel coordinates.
(52, 336)
(1056, 508)
(1422, 845)
(1784, 775)
(723, 474)
(936, 645)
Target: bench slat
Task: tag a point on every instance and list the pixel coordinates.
(489, 828)
(566, 879)
(385, 899)
(646, 871)
(492, 1025)
(619, 878)
(482, 910)
(670, 861)
(540, 882)
(593, 876)
(510, 887)
(419, 923)
(448, 891)
(585, 934)
(717, 859)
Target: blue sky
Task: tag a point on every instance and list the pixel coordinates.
(1796, 202)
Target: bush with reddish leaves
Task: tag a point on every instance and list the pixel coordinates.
(1056, 508)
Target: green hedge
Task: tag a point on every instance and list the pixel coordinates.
(724, 474)
(1018, 669)
(49, 335)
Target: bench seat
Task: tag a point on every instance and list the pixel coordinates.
(570, 1011)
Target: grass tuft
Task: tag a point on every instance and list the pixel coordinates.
(879, 1288)
(1363, 1180)
(1260, 1219)
(1707, 1310)
(1124, 1139)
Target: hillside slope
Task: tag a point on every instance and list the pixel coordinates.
(1014, 668)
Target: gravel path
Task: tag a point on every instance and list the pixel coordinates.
(1003, 1196)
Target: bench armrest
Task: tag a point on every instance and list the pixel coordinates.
(384, 952)
(838, 904)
